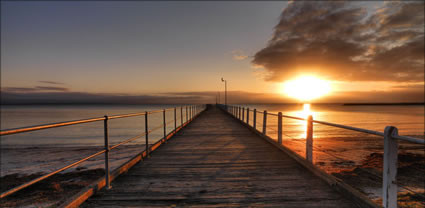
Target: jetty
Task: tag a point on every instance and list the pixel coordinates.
(216, 156)
(217, 162)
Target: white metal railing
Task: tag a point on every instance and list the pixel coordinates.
(390, 134)
(191, 112)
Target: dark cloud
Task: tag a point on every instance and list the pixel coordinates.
(51, 82)
(35, 89)
(340, 40)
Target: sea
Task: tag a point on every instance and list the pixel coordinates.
(334, 149)
(409, 119)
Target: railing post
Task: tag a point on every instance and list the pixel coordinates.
(107, 173)
(279, 128)
(239, 112)
(187, 115)
(181, 115)
(247, 116)
(243, 114)
(389, 185)
(146, 134)
(175, 120)
(309, 139)
(165, 126)
(255, 119)
(265, 122)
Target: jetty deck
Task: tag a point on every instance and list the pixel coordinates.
(217, 162)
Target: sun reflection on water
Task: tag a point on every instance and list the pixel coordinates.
(304, 114)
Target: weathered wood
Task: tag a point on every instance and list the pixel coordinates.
(389, 185)
(247, 116)
(265, 122)
(279, 128)
(309, 139)
(217, 162)
(254, 119)
(83, 195)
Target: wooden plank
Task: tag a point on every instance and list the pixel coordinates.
(216, 162)
(83, 195)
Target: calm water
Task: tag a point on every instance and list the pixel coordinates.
(409, 120)
(89, 134)
(334, 149)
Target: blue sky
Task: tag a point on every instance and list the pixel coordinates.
(133, 47)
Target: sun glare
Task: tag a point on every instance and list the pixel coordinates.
(306, 88)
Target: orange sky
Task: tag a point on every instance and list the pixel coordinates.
(368, 51)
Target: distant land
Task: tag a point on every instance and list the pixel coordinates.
(384, 104)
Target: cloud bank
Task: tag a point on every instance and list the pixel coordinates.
(341, 41)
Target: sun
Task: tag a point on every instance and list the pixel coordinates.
(306, 88)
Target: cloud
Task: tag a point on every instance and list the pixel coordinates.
(51, 82)
(341, 41)
(239, 55)
(34, 89)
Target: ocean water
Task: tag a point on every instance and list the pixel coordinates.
(88, 134)
(334, 149)
(409, 120)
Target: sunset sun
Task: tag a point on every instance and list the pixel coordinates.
(306, 88)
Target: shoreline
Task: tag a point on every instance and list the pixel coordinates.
(20, 165)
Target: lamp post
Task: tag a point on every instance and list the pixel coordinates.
(225, 91)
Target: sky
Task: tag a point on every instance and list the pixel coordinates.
(177, 51)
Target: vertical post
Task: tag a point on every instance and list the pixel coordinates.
(247, 116)
(243, 114)
(389, 185)
(239, 112)
(309, 139)
(165, 126)
(225, 93)
(181, 115)
(186, 114)
(279, 128)
(175, 119)
(107, 173)
(254, 119)
(265, 122)
(146, 134)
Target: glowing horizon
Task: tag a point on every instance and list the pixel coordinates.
(306, 88)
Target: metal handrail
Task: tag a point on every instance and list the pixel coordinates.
(47, 126)
(69, 123)
(367, 131)
(389, 193)
(194, 111)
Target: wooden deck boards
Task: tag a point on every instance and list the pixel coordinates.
(217, 162)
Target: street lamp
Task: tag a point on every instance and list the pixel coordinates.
(225, 91)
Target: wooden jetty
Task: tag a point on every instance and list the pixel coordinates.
(217, 162)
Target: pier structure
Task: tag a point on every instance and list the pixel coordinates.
(214, 157)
